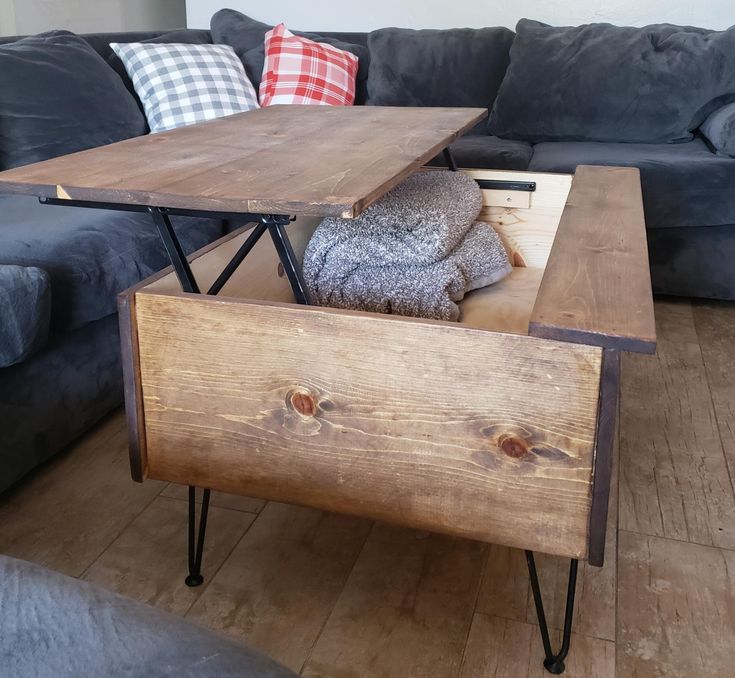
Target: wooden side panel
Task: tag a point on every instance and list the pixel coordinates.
(597, 286)
(487, 436)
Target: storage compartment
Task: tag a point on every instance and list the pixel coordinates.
(485, 428)
(527, 232)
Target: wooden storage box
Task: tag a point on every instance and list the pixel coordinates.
(497, 428)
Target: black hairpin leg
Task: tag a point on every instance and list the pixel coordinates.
(553, 663)
(277, 228)
(449, 159)
(196, 538)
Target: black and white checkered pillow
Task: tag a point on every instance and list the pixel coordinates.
(183, 84)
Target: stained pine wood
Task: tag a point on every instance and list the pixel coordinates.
(419, 436)
(597, 287)
(676, 605)
(506, 591)
(673, 474)
(313, 160)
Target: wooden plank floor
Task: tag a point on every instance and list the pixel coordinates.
(341, 597)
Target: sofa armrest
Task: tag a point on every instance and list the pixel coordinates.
(719, 129)
(25, 312)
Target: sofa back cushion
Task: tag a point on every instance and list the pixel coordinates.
(58, 96)
(247, 37)
(455, 67)
(600, 82)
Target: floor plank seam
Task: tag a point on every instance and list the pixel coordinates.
(213, 573)
(712, 400)
(227, 508)
(679, 541)
(117, 536)
(336, 600)
(480, 583)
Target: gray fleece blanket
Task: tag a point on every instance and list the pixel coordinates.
(417, 251)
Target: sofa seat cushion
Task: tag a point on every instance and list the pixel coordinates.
(480, 151)
(600, 82)
(58, 96)
(90, 255)
(25, 311)
(54, 626)
(683, 184)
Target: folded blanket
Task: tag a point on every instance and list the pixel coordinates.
(420, 221)
(416, 251)
(424, 290)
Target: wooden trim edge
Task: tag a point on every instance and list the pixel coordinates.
(606, 341)
(134, 413)
(603, 462)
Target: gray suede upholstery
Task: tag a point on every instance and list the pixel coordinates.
(479, 151)
(600, 82)
(58, 96)
(61, 391)
(693, 262)
(719, 130)
(25, 311)
(54, 626)
(455, 67)
(683, 184)
(89, 255)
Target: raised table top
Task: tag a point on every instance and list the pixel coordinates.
(296, 160)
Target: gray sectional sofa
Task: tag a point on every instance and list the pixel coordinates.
(559, 98)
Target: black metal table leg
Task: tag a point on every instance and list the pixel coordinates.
(277, 228)
(196, 538)
(553, 663)
(449, 159)
(173, 248)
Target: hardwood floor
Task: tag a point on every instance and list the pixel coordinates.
(339, 597)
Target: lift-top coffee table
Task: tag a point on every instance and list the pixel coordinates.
(499, 427)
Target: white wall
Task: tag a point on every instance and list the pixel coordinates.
(366, 15)
(21, 17)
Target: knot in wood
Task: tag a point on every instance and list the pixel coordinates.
(303, 402)
(513, 446)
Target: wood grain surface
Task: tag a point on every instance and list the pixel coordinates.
(673, 474)
(453, 430)
(314, 160)
(597, 286)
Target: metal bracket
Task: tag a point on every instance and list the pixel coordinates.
(502, 185)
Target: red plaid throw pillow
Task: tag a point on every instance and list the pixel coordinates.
(300, 71)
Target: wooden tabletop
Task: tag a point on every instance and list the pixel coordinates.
(297, 160)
